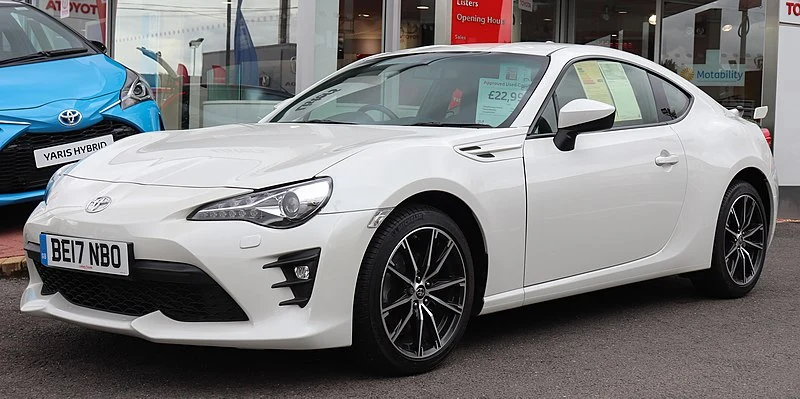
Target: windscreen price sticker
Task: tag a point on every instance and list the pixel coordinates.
(497, 99)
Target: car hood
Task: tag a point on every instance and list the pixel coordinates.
(33, 85)
(250, 156)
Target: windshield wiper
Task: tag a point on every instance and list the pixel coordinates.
(65, 51)
(44, 54)
(29, 57)
(328, 121)
(444, 124)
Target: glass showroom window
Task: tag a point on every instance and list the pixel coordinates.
(360, 30)
(624, 25)
(210, 62)
(535, 21)
(417, 23)
(87, 17)
(718, 46)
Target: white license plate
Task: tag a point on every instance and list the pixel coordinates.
(71, 152)
(109, 257)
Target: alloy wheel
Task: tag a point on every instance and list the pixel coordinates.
(423, 291)
(745, 239)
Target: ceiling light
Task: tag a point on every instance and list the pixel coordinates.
(653, 19)
(421, 7)
(727, 28)
(363, 15)
(548, 20)
(622, 12)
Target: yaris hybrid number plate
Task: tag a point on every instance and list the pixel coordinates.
(109, 257)
(71, 152)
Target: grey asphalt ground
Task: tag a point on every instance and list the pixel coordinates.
(653, 339)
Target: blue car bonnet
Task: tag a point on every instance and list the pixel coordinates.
(33, 85)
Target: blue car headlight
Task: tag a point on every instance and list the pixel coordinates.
(278, 208)
(56, 178)
(135, 91)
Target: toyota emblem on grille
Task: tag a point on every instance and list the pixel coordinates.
(98, 204)
(70, 117)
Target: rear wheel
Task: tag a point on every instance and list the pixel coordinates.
(414, 293)
(739, 245)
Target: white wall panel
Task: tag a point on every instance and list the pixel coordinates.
(787, 118)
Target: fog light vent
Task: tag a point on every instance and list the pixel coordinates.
(300, 270)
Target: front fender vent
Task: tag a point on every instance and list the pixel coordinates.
(301, 287)
(493, 150)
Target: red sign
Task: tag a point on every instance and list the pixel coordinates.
(74, 6)
(482, 21)
(791, 13)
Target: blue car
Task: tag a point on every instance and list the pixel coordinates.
(61, 98)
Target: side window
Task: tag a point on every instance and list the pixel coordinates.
(673, 102)
(624, 86)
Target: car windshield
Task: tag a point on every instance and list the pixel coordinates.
(431, 89)
(28, 35)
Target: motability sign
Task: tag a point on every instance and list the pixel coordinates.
(482, 21)
(719, 75)
(712, 73)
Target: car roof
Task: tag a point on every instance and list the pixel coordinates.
(531, 48)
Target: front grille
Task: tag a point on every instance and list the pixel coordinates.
(18, 172)
(181, 292)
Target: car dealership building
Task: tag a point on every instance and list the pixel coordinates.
(213, 62)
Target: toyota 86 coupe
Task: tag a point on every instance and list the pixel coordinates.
(390, 203)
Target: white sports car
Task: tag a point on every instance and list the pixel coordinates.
(388, 204)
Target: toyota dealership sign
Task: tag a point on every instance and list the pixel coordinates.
(791, 13)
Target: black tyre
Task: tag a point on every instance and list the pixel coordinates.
(740, 245)
(414, 293)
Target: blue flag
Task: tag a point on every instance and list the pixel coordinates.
(244, 51)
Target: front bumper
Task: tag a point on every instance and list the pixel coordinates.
(153, 219)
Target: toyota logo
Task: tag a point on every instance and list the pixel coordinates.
(98, 204)
(70, 117)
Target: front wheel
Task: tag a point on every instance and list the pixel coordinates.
(740, 245)
(414, 293)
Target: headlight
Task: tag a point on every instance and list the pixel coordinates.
(279, 208)
(135, 91)
(51, 184)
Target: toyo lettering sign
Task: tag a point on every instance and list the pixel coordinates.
(790, 12)
(75, 7)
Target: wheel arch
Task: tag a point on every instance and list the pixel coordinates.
(468, 222)
(759, 181)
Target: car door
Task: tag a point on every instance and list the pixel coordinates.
(617, 196)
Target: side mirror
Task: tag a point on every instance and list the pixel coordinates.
(760, 113)
(580, 116)
(100, 46)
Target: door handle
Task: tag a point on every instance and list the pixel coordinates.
(666, 159)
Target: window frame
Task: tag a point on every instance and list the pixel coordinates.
(663, 102)
(660, 100)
